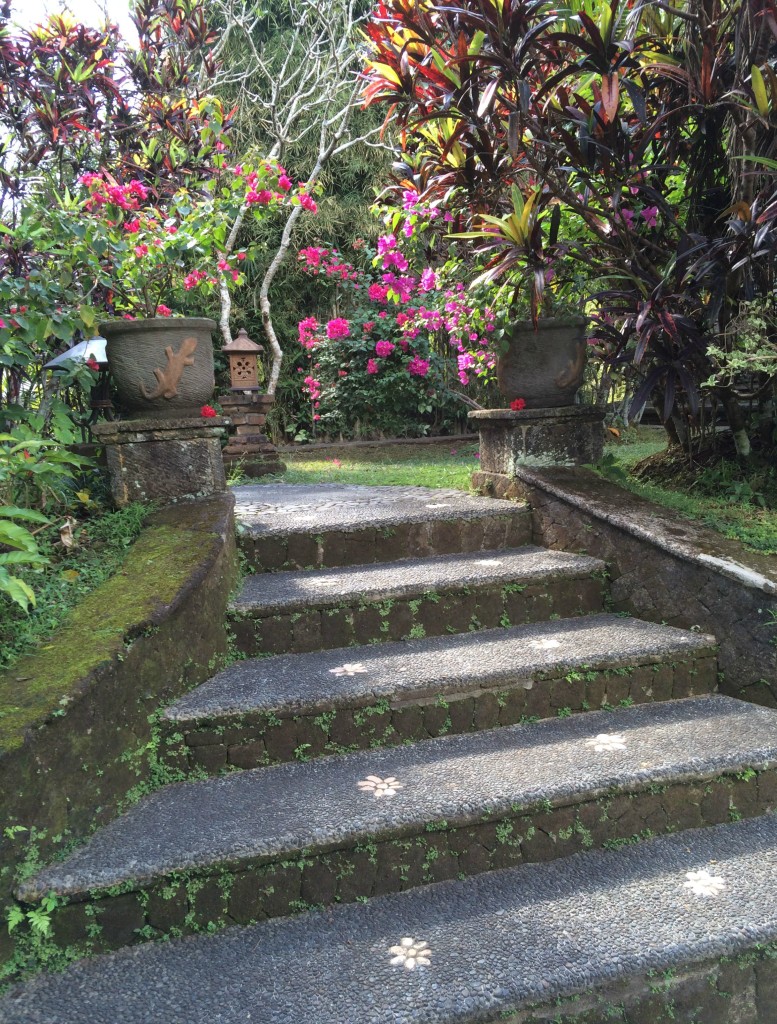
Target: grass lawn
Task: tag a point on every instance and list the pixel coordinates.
(428, 465)
(727, 501)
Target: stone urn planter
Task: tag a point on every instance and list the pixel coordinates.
(545, 366)
(162, 367)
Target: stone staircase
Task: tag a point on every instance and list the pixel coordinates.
(428, 698)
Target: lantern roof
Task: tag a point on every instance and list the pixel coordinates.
(242, 343)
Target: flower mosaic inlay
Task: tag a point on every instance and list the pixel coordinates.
(607, 742)
(702, 883)
(351, 668)
(411, 953)
(380, 787)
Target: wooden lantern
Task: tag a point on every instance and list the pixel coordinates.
(243, 362)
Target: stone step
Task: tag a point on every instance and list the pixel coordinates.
(283, 612)
(681, 927)
(298, 526)
(270, 710)
(255, 844)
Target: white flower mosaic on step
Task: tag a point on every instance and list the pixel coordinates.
(607, 742)
(488, 561)
(411, 953)
(546, 643)
(702, 883)
(440, 504)
(380, 787)
(351, 668)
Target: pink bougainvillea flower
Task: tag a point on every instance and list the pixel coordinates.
(386, 243)
(342, 373)
(384, 348)
(2, 324)
(308, 203)
(650, 216)
(628, 218)
(163, 310)
(128, 316)
(223, 265)
(262, 197)
(141, 251)
(208, 412)
(240, 256)
(313, 255)
(428, 280)
(372, 366)
(132, 226)
(338, 328)
(418, 367)
(377, 292)
(193, 278)
(448, 217)
(395, 259)
(284, 183)
(316, 417)
(517, 404)
(171, 229)
(220, 147)
(368, 325)
(92, 363)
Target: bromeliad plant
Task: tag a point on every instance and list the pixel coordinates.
(647, 125)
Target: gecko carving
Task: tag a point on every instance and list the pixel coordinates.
(573, 371)
(169, 377)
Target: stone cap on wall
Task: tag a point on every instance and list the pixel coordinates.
(645, 519)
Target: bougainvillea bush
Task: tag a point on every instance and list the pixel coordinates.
(399, 344)
(137, 255)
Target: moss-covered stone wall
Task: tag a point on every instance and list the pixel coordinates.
(72, 713)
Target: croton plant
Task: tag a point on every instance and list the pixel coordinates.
(640, 137)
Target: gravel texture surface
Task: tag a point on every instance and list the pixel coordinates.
(275, 509)
(489, 944)
(450, 664)
(268, 593)
(268, 813)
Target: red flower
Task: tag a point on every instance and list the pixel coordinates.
(92, 363)
(517, 404)
(208, 412)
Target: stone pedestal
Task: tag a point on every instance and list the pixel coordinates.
(152, 458)
(572, 435)
(249, 450)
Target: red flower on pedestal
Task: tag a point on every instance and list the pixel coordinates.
(517, 404)
(208, 412)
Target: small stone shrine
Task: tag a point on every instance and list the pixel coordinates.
(248, 449)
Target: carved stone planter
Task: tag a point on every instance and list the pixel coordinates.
(161, 367)
(544, 366)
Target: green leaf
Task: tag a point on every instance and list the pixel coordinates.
(30, 514)
(16, 590)
(16, 536)
(14, 917)
(40, 921)
(759, 91)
